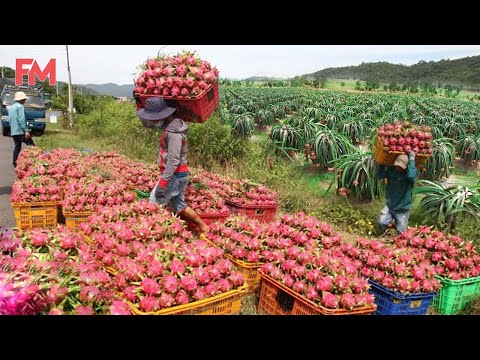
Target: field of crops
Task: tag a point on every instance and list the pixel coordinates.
(302, 116)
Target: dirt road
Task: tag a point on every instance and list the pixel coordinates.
(7, 177)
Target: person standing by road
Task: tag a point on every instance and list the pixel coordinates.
(18, 125)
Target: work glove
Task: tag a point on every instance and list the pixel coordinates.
(411, 155)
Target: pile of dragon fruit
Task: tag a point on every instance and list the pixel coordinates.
(156, 262)
(55, 163)
(87, 194)
(41, 188)
(53, 272)
(242, 192)
(181, 75)
(205, 201)
(401, 269)
(452, 257)
(254, 242)
(300, 252)
(404, 137)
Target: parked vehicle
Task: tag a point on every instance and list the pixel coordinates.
(34, 107)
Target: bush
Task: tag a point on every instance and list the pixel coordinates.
(211, 144)
(117, 124)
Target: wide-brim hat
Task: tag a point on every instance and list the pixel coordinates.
(20, 95)
(155, 109)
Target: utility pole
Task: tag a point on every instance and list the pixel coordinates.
(2, 71)
(70, 94)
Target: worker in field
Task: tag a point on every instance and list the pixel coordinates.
(18, 125)
(172, 158)
(400, 180)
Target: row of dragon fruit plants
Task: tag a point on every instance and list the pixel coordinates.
(299, 118)
(85, 183)
(158, 264)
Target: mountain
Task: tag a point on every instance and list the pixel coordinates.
(62, 87)
(112, 89)
(77, 89)
(464, 71)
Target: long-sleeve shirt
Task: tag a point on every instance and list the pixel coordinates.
(399, 185)
(172, 155)
(18, 121)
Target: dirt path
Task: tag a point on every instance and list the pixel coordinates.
(7, 177)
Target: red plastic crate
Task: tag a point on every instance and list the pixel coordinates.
(263, 213)
(193, 109)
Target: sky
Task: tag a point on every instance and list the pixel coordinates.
(99, 64)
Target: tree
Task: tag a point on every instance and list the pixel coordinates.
(7, 72)
(342, 84)
(48, 88)
(323, 82)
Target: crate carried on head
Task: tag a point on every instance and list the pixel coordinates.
(400, 138)
(196, 109)
(187, 83)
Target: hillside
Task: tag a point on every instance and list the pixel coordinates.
(464, 71)
(62, 86)
(111, 89)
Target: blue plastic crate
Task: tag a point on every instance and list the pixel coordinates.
(394, 303)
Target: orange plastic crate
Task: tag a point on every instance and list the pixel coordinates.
(228, 303)
(248, 270)
(36, 214)
(384, 156)
(73, 220)
(278, 299)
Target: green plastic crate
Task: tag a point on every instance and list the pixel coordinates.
(454, 295)
(142, 194)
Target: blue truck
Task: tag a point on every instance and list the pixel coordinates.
(34, 107)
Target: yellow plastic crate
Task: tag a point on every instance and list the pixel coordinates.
(73, 220)
(228, 303)
(36, 214)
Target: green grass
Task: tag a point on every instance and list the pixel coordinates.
(319, 182)
(55, 136)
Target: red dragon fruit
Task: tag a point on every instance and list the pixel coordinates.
(169, 284)
(324, 283)
(329, 300)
